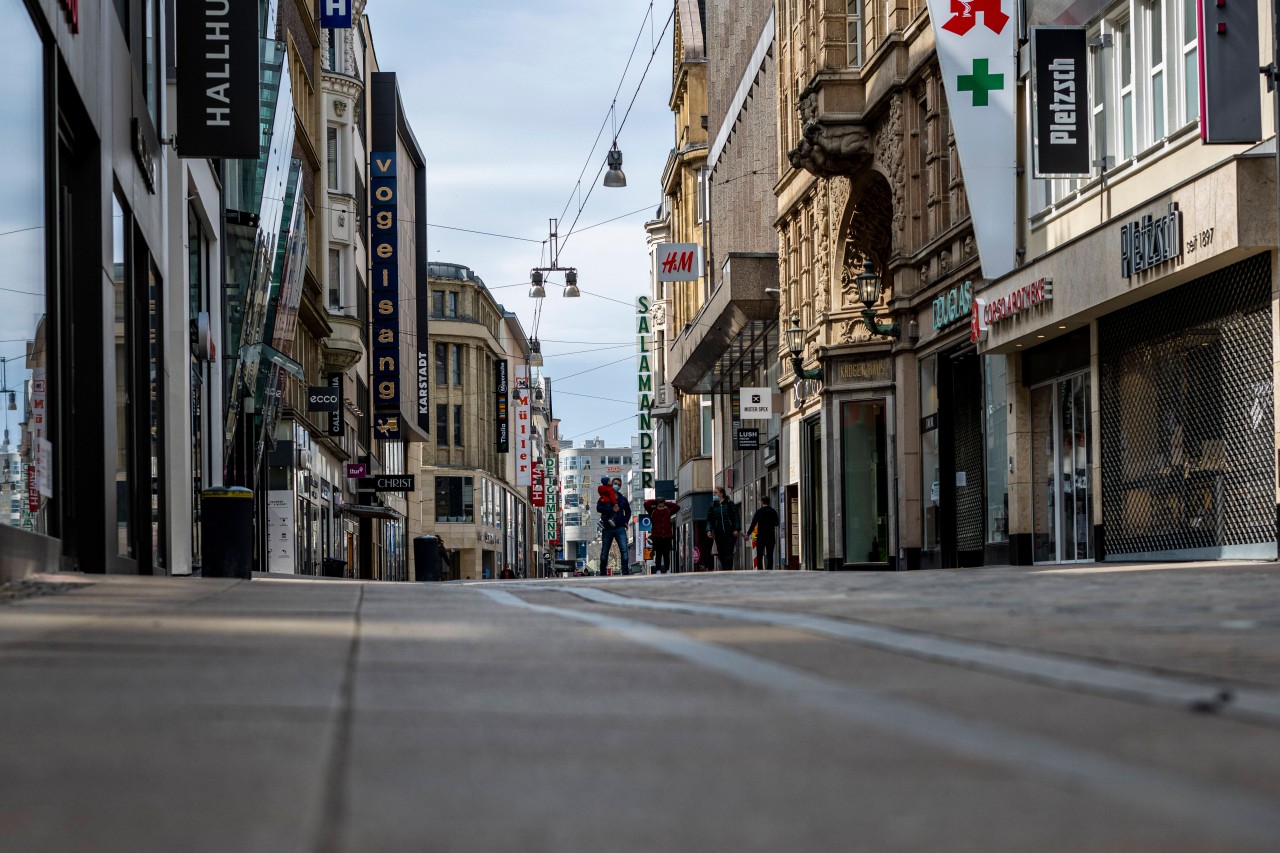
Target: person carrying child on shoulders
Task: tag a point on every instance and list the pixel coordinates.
(607, 505)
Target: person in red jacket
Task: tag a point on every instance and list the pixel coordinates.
(661, 513)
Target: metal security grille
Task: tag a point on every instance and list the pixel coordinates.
(1187, 419)
(970, 498)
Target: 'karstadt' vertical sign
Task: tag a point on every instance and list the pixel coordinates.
(216, 42)
(386, 296)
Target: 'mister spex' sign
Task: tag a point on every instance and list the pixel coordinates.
(216, 42)
(1060, 57)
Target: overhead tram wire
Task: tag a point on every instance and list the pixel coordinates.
(592, 369)
(636, 94)
(603, 426)
(577, 187)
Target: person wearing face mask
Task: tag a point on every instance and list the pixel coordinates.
(617, 533)
(724, 525)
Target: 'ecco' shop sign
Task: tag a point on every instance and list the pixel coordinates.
(953, 306)
(1150, 241)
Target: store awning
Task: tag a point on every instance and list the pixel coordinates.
(739, 316)
(367, 511)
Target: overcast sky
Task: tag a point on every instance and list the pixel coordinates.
(506, 99)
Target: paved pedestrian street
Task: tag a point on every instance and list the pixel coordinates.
(1101, 708)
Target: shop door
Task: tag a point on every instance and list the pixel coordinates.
(1061, 465)
(865, 482)
(814, 519)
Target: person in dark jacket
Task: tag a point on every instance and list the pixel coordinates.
(765, 525)
(617, 533)
(724, 525)
(660, 514)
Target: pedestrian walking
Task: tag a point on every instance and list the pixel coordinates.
(616, 533)
(724, 525)
(764, 524)
(661, 513)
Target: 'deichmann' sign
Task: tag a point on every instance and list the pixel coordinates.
(1150, 241)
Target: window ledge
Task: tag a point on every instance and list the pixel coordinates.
(1180, 138)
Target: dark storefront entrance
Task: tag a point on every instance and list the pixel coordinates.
(952, 460)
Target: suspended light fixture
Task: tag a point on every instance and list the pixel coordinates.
(571, 284)
(13, 402)
(537, 291)
(615, 177)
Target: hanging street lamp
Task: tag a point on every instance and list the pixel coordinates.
(615, 177)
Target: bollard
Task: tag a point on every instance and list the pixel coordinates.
(226, 527)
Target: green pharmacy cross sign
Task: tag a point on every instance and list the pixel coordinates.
(981, 82)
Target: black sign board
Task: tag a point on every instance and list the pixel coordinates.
(323, 398)
(1060, 59)
(501, 399)
(335, 419)
(746, 438)
(390, 483)
(1230, 111)
(218, 96)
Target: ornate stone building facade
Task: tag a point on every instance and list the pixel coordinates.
(682, 457)
(876, 473)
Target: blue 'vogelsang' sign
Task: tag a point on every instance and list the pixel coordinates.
(335, 14)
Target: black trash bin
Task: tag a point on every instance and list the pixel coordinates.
(226, 527)
(332, 567)
(427, 554)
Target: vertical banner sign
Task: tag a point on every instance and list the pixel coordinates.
(217, 52)
(538, 486)
(502, 384)
(384, 211)
(39, 430)
(524, 435)
(644, 390)
(553, 499)
(335, 419)
(1230, 111)
(977, 49)
(335, 14)
(1060, 62)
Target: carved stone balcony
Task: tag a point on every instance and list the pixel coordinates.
(344, 347)
(835, 138)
